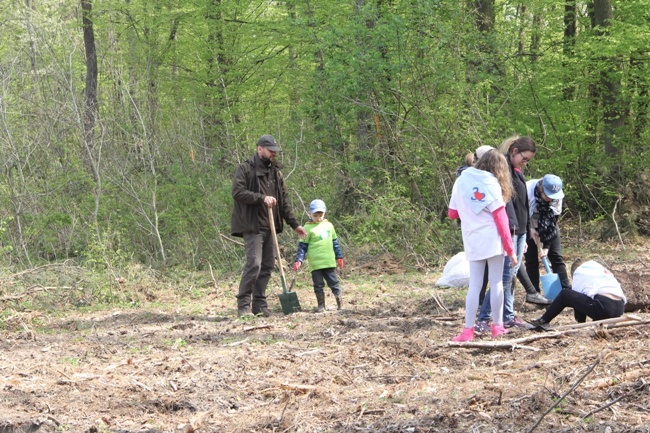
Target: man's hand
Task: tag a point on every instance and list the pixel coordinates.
(297, 266)
(270, 201)
(543, 252)
(339, 263)
(301, 231)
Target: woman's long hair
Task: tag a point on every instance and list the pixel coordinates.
(495, 162)
(523, 144)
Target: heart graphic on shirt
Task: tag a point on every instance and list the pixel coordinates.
(478, 195)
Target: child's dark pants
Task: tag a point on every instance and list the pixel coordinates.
(598, 308)
(319, 277)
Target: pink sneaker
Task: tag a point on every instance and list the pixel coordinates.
(498, 330)
(466, 335)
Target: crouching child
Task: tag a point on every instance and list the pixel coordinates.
(595, 293)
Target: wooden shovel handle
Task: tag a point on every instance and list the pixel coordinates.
(275, 242)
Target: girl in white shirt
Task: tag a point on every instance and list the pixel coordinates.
(478, 198)
(595, 293)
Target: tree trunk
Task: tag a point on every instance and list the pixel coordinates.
(639, 82)
(484, 15)
(486, 61)
(90, 105)
(521, 13)
(613, 114)
(570, 12)
(363, 113)
(535, 37)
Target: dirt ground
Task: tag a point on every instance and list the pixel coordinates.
(382, 364)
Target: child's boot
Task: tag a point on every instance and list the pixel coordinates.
(320, 297)
(339, 301)
(466, 335)
(498, 330)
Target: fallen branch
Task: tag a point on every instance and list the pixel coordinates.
(30, 291)
(447, 318)
(38, 268)
(254, 328)
(510, 344)
(609, 324)
(618, 232)
(633, 319)
(214, 280)
(300, 389)
(236, 343)
(140, 384)
(616, 400)
(626, 324)
(444, 323)
(231, 240)
(627, 376)
(440, 303)
(575, 385)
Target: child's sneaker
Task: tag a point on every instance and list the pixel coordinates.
(482, 327)
(515, 321)
(498, 330)
(466, 335)
(540, 324)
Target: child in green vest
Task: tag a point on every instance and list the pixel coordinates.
(322, 249)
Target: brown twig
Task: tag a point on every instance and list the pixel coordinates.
(575, 385)
(231, 240)
(616, 400)
(36, 269)
(634, 319)
(510, 344)
(214, 280)
(254, 328)
(440, 304)
(30, 291)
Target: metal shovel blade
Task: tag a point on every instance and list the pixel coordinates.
(288, 300)
(550, 282)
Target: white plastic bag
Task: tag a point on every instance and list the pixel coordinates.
(456, 272)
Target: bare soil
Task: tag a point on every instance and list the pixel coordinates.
(382, 364)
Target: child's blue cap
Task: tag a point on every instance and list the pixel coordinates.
(317, 206)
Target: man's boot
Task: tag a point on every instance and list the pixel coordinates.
(243, 312)
(339, 301)
(320, 297)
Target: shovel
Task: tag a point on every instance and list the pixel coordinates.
(550, 281)
(288, 300)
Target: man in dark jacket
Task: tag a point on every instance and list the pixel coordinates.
(257, 186)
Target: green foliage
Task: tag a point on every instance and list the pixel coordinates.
(390, 223)
(105, 253)
(375, 104)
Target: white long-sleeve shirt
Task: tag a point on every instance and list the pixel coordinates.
(591, 278)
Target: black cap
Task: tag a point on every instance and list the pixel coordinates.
(269, 142)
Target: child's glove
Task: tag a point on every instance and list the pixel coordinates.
(339, 262)
(296, 266)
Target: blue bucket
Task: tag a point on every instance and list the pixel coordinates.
(550, 282)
